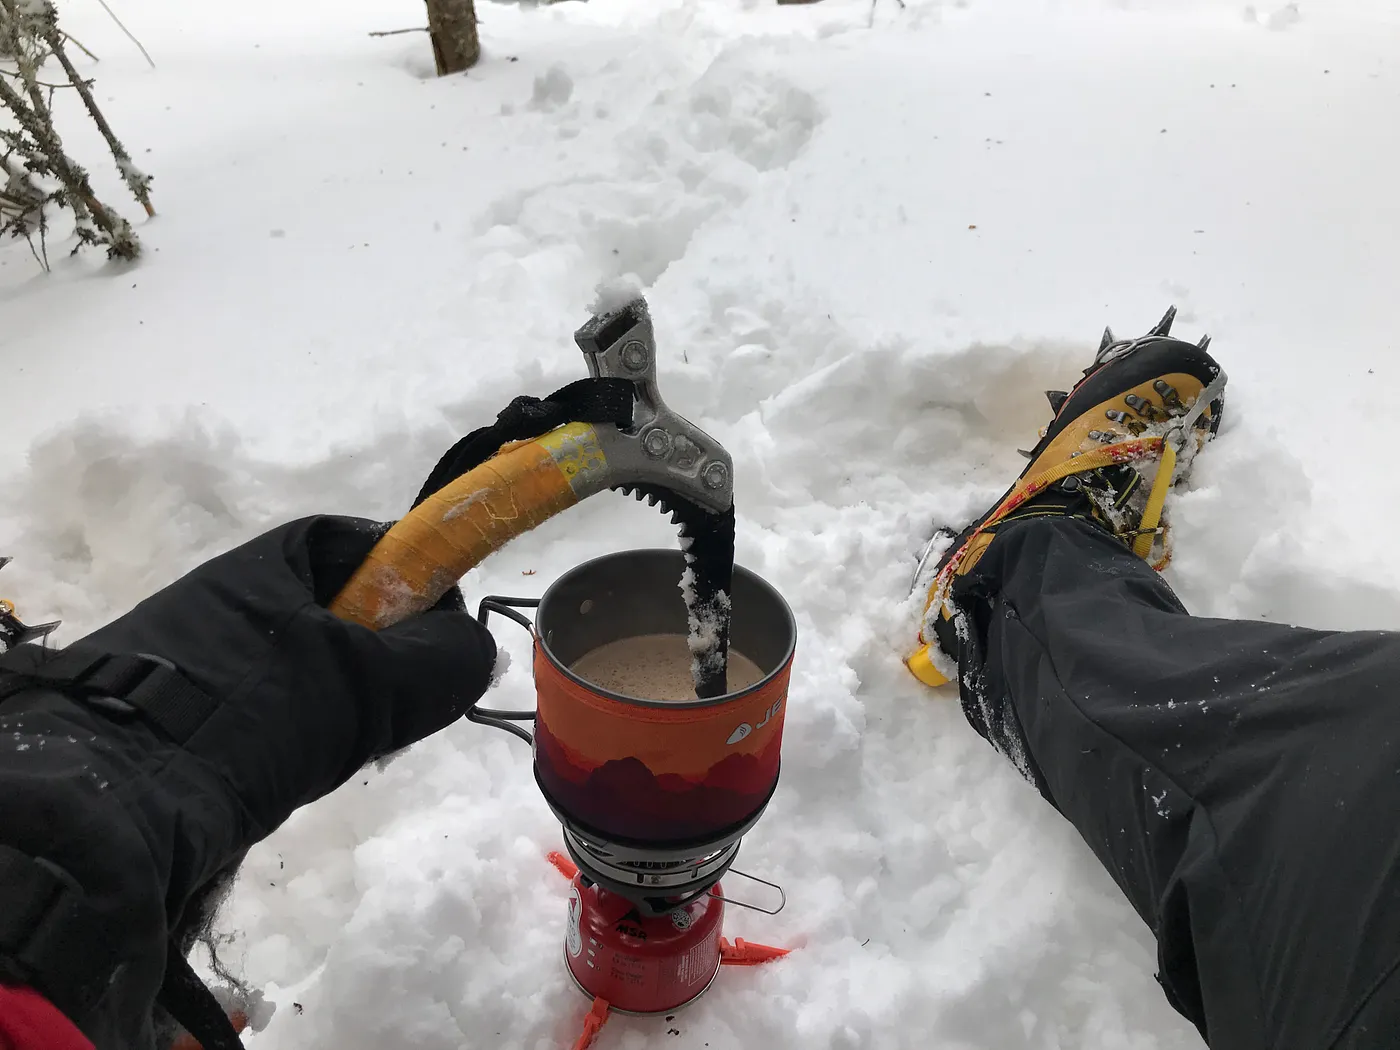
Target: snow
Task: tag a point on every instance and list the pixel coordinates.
(552, 89)
(870, 237)
(134, 176)
(708, 623)
(615, 292)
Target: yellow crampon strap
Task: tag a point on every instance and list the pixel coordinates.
(921, 663)
(1108, 456)
(1156, 499)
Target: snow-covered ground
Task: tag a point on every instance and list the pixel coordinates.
(870, 238)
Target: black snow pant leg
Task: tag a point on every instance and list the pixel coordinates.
(1240, 780)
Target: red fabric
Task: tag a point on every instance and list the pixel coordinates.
(28, 1021)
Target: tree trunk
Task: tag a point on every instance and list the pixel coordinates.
(452, 26)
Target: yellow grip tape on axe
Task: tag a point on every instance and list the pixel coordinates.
(449, 533)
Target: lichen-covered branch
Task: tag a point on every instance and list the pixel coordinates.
(44, 156)
(23, 48)
(18, 194)
(22, 207)
(137, 181)
(36, 169)
(28, 56)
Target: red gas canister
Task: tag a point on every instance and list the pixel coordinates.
(638, 963)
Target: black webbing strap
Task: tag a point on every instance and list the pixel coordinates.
(51, 939)
(10, 684)
(48, 932)
(146, 684)
(51, 936)
(585, 401)
(187, 999)
(16, 666)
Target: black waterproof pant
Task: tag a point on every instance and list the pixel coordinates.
(1239, 780)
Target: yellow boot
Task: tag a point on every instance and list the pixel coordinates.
(1118, 441)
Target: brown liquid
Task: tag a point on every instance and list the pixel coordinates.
(655, 667)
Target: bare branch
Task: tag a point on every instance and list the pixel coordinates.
(41, 260)
(127, 32)
(42, 83)
(79, 45)
(396, 32)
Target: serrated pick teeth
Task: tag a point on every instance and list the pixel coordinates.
(652, 499)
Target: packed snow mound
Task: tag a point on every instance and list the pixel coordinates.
(870, 236)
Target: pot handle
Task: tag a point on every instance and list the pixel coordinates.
(508, 607)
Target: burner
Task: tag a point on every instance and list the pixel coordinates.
(657, 883)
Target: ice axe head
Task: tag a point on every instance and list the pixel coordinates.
(661, 449)
(660, 455)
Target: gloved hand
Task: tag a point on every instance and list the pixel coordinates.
(137, 809)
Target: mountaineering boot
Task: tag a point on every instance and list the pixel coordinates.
(1119, 440)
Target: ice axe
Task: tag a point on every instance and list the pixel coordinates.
(482, 503)
(652, 452)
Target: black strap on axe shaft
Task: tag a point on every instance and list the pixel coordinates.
(585, 401)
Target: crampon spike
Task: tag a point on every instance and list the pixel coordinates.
(1107, 339)
(1204, 343)
(13, 630)
(1056, 399)
(1164, 326)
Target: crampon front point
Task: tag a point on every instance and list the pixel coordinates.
(13, 630)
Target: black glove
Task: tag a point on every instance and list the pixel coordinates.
(137, 808)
